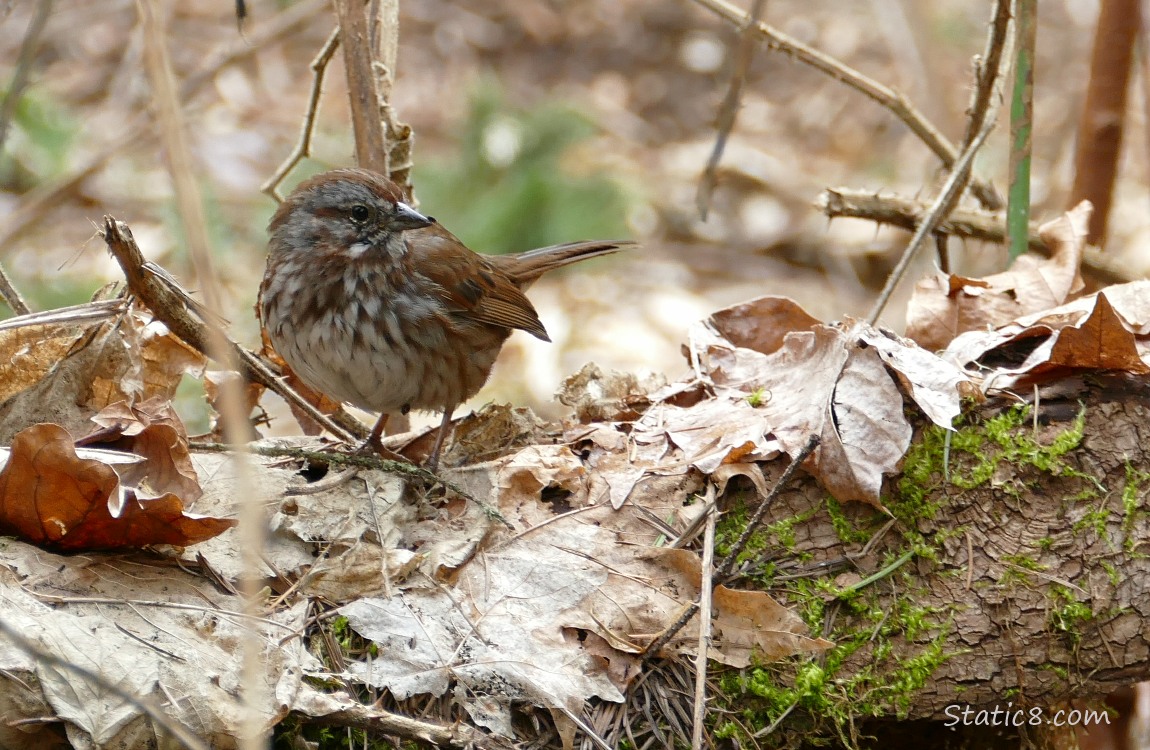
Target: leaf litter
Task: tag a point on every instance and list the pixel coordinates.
(555, 604)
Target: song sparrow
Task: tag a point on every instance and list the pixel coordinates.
(372, 303)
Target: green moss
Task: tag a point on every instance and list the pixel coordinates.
(1131, 500)
(1057, 669)
(893, 645)
(1023, 561)
(817, 701)
(758, 397)
(1111, 572)
(1067, 614)
(846, 531)
(1005, 438)
(783, 531)
(1093, 520)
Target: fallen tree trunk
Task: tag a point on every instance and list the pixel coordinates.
(1010, 573)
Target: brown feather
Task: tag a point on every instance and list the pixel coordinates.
(489, 288)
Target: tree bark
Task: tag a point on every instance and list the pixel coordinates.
(1026, 578)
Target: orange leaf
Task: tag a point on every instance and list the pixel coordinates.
(52, 497)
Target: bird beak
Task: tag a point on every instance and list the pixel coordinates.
(407, 217)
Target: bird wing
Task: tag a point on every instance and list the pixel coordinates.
(470, 286)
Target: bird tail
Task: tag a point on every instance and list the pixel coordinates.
(529, 266)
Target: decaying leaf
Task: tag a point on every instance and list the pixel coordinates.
(153, 630)
(752, 623)
(946, 305)
(1107, 331)
(152, 430)
(597, 396)
(65, 372)
(52, 497)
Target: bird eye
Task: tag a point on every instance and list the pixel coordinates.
(359, 213)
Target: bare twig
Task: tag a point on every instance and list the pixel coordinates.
(906, 213)
(302, 148)
(38, 203)
(358, 60)
(700, 708)
(988, 71)
(939, 209)
(178, 731)
(885, 96)
(458, 735)
(728, 562)
(729, 109)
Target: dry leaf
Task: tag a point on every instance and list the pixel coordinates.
(1103, 331)
(153, 431)
(53, 498)
(751, 622)
(944, 306)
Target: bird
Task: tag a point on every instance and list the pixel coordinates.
(373, 303)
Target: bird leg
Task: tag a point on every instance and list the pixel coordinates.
(433, 459)
(374, 442)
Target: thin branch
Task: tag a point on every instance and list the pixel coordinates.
(988, 71)
(938, 211)
(728, 562)
(363, 92)
(302, 148)
(458, 735)
(38, 203)
(729, 109)
(885, 96)
(700, 708)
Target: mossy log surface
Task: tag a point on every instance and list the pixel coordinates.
(1013, 568)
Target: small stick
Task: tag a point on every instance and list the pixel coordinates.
(729, 109)
(700, 707)
(728, 562)
(302, 148)
(942, 205)
(906, 213)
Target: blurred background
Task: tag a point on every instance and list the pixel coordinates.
(541, 122)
